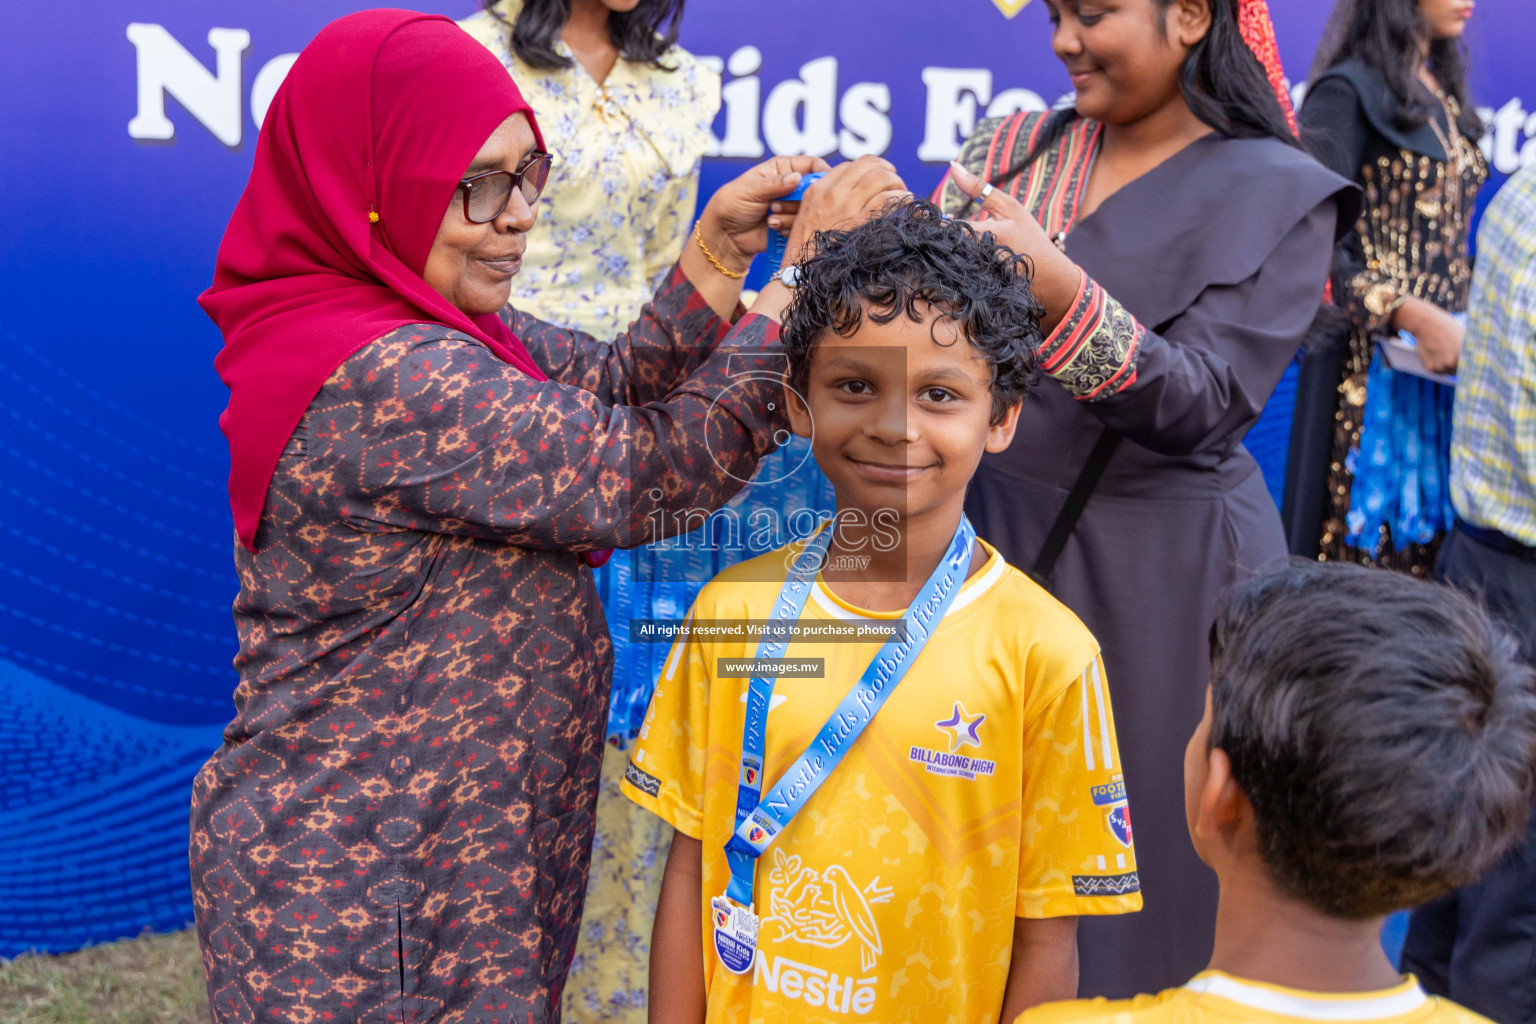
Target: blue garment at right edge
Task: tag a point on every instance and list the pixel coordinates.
(1402, 467)
(660, 581)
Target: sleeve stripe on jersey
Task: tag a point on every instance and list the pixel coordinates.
(1098, 696)
(677, 651)
(1087, 734)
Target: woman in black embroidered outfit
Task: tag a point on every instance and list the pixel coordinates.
(1181, 242)
(1389, 109)
(397, 827)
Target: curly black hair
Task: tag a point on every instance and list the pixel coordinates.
(911, 260)
(1382, 727)
(642, 36)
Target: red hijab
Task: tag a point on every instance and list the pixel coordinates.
(359, 156)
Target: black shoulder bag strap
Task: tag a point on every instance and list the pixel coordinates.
(1072, 509)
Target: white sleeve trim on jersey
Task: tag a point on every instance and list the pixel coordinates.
(1098, 696)
(1087, 732)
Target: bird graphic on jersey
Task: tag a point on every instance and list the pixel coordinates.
(826, 908)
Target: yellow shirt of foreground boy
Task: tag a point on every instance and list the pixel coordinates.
(987, 788)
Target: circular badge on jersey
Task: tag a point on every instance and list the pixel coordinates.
(735, 934)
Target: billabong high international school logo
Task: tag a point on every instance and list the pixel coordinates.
(1010, 8)
(962, 730)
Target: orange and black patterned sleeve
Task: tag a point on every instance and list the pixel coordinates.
(672, 336)
(430, 432)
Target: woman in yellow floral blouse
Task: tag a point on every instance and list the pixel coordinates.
(627, 122)
(626, 114)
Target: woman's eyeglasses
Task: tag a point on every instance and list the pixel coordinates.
(486, 195)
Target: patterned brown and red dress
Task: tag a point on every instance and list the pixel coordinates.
(398, 825)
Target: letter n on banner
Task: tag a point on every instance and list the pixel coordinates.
(165, 66)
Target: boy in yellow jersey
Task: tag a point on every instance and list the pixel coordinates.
(1369, 743)
(911, 834)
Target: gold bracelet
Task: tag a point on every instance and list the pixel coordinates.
(1379, 297)
(697, 237)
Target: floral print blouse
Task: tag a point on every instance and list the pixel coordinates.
(602, 243)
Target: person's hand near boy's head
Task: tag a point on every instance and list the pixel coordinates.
(1369, 743)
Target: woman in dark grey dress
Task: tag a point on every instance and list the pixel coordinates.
(1192, 242)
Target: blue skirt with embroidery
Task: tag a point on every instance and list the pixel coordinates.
(1402, 466)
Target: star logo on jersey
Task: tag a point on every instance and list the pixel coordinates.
(963, 729)
(1010, 8)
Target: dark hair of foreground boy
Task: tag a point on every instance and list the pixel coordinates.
(1382, 729)
(909, 258)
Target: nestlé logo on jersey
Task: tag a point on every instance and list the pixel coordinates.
(815, 986)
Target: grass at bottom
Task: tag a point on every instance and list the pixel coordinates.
(154, 979)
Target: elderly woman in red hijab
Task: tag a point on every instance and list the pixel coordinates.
(398, 825)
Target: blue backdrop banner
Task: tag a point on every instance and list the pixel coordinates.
(128, 132)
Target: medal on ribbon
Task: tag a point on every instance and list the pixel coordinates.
(735, 929)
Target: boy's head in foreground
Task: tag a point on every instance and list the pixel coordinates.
(911, 343)
(1369, 741)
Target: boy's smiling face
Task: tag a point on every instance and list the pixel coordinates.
(899, 414)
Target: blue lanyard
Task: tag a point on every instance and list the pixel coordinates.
(759, 819)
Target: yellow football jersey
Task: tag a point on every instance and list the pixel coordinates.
(987, 787)
(1212, 997)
